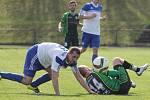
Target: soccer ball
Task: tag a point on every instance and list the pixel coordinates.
(100, 62)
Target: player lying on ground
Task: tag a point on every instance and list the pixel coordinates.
(101, 80)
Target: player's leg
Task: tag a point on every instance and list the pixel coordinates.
(95, 44)
(42, 79)
(139, 70)
(124, 79)
(34, 85)
(95, 53)
(75, 40)
(20, 78)
(31, 65)
(11, 76)
(67, 42)
(29, 74)
(26, 80)
(85, 41)
(120, 61)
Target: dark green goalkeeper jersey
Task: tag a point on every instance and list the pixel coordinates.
(112, 80)
(69, 23)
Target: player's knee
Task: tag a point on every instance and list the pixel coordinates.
(117, 61)
(26, 81)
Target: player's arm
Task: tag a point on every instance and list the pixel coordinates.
(87, 16)
(80, 79)
(103, 17)
(82, 14)
(55, 76)
(60, 26)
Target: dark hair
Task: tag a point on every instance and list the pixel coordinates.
(75, 49)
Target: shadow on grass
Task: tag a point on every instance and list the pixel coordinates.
(47, 94)
(69, 95)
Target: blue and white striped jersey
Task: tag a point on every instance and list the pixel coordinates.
(54, 55)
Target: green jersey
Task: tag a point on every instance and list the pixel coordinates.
(69, 23)
(111, 79)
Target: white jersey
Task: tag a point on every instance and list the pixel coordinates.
(51, 54)
(91, 26)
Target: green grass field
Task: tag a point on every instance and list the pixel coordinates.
(12, 60)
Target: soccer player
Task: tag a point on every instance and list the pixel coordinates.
(49, 57)
(91, 15)
(68, 25)
(115, 81)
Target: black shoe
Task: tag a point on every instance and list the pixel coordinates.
(34, 89)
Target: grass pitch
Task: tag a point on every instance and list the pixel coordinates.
(12, 60)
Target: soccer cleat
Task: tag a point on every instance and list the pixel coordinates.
(34, 89)
(142, 69)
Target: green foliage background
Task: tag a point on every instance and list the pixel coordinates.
(43, 16)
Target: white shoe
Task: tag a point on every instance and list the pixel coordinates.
(142, 69)
(0, 77)
(133, 85)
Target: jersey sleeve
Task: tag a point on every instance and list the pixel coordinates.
(55, 66)
(63, 18)
(83, 9)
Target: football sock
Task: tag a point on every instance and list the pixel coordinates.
(44, 78)
(130, 66)
(94, 56)
(11, 76)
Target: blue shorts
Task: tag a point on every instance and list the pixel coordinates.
(90, 40)
(32, 63)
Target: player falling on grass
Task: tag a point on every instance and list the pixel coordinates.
(115, 81)
(49, 57)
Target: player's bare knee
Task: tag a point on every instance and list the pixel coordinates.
(26, 81)
(117, 61)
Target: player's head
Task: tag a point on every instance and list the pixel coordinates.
(84, 70)
(96, 1)
(73, 55)
(72, 5)
(100, 62)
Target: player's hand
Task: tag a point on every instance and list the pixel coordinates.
(91, 92)
(93, 15)
(60, 29)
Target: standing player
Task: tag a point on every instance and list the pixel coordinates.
(116, 81)
(68, 25)
(91, 14)
(49, 57)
